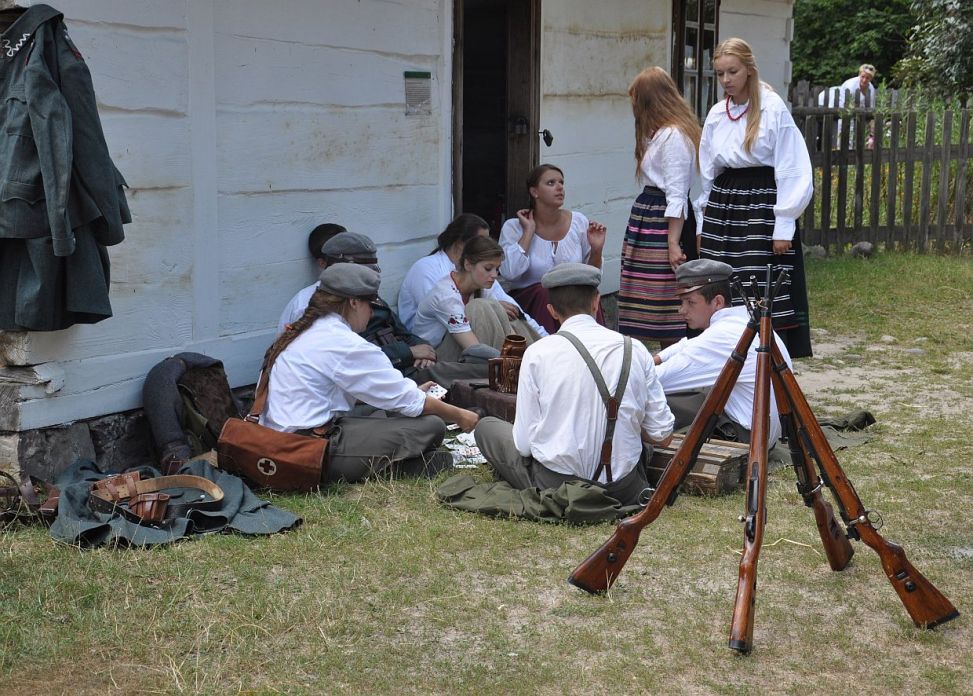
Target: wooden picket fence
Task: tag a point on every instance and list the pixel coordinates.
(908, 186)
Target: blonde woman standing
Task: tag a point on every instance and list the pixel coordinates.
(756, 181)
(666, 140)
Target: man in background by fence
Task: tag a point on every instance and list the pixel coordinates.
(855, 92)
(859, 91)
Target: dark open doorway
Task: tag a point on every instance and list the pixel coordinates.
(496, 105)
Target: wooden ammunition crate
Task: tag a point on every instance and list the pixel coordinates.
(476, 392)
(720, 468)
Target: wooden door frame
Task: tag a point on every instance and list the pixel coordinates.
(523, 97)
(457, 163)
(678, 70)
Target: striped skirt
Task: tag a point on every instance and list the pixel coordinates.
(738, 229)
(647, 304)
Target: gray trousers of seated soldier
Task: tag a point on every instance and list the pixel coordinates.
(445, 373)
(686, 404)
(495, 439)
(363, 446)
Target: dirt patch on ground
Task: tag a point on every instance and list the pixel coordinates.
(845, 374)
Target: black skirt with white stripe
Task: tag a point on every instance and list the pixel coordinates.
(738, 229)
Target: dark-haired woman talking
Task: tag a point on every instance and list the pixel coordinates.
(543, 236)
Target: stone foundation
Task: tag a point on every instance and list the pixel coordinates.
(114, 442)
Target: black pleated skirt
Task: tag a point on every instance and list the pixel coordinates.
(738, 229)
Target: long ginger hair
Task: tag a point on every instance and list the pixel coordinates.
(656, 103)
(742, 51)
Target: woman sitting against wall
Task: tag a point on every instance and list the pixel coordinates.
(320, 367)
(543, 236)
(428, 270)
(462, 310)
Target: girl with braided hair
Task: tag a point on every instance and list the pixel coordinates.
(320, 367)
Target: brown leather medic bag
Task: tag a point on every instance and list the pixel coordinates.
(269, 458)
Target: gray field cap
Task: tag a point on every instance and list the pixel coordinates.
(693, 275)
(571, 274)
(350, 280)
(350, 247)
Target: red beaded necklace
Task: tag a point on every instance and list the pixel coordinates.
(742, 113)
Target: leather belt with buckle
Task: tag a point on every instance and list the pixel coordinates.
(143, 500)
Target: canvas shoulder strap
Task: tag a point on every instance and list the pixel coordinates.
(611, 402)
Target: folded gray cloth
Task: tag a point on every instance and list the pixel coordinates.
(840, 432)
(240, 511)
(855, 420)
(574, 502)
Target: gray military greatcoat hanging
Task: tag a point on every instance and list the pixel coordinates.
(61, 197)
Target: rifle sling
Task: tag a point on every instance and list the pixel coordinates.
(612, 402)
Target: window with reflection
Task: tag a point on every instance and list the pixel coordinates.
(695, 26)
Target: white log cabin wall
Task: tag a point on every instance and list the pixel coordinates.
(767, 26)
(240, 125)
(590, 52)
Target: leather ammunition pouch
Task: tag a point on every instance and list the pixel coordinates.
(154, 500)
(23, 500)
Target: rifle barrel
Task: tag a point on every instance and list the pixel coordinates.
(926, 605)
(597, 573)
(837, 547)
(741, 627)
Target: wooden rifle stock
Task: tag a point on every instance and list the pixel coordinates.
(837, 547)
(741, 627)
(927, 606)
(597, 573)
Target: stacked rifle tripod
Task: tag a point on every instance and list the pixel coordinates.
(810, 453)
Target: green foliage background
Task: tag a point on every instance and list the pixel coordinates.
(941, 47)
(833, 37)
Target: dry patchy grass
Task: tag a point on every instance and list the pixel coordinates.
(384, 591)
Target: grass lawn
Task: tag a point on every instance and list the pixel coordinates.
(384, 591)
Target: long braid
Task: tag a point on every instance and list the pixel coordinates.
(321, 304)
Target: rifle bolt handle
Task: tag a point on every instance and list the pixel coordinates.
(741, 518)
